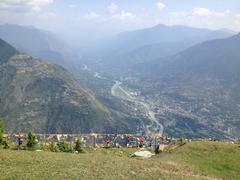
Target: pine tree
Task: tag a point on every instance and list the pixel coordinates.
(64, 146)
(181, 141)
(1, 131)
(31, 140)
(79, 146)
(54, 147)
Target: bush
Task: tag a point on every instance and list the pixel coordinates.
(5, 144)
(31, 140)
(181, 141)
(238, 141)
(64, 146)
(3, 141)
(54, 147)
(79, 147)
(1, 131)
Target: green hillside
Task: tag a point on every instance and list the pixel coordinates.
(195, 92)
(43, 97)
(195, 160)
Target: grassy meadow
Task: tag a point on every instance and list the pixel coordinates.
(195, 160)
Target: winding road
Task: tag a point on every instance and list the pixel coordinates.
(155, 127)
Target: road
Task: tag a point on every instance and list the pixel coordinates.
(155, 127)
(118, 91)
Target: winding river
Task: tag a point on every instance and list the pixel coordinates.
(155, 127)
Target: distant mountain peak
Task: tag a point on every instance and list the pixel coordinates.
(235, 37)
(6, 51)
(160, 26)
(4, 44)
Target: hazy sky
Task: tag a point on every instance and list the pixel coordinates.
(100, 17)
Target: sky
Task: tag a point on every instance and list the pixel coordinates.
(91, 19)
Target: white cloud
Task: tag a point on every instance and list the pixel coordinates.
(112, 8)
(47, 15)
(208, 12)
(123, 15)
(160, 6)
(201, 12)
(36, 4)
(23, 5)
(92, 15)
(72, 5)
(204, 18)
(237, 19)
(117, 14)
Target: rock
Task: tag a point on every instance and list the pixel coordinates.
(143, 154)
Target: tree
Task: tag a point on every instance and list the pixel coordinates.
(181, 141)
(31, 140)
(54, 147)
(79, 146)
(1, 131)
(3, 142)
(64, 146)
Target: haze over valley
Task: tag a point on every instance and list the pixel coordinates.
(178, 79)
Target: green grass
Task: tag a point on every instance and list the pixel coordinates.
(196, 160)
(218, 159)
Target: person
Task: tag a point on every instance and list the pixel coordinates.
(107, 141)
(115, 144)
(129, 137)
(141, 142)
(126, 140)
(20, 141)
(150, 143)
(157, 150)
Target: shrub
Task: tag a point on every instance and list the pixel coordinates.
(238, 141)
(79, 147)
(64, 146)
(54, 147)
(31, 140)
(1, 131)
(3, 141)
(181, 141)
(5, 144)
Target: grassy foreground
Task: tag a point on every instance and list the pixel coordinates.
(195, 160)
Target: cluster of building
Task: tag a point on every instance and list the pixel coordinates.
(102, 140)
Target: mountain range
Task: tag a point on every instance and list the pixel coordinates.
(199, 85)
(39, 43)
(133, 47)
(41, 96)
(188, 77)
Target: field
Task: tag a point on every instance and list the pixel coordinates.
(195, 160)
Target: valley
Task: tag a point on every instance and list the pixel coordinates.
(140, 105)
(120, 89)
(188, 97)
(149, 87)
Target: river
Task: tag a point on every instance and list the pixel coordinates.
(155, 127)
